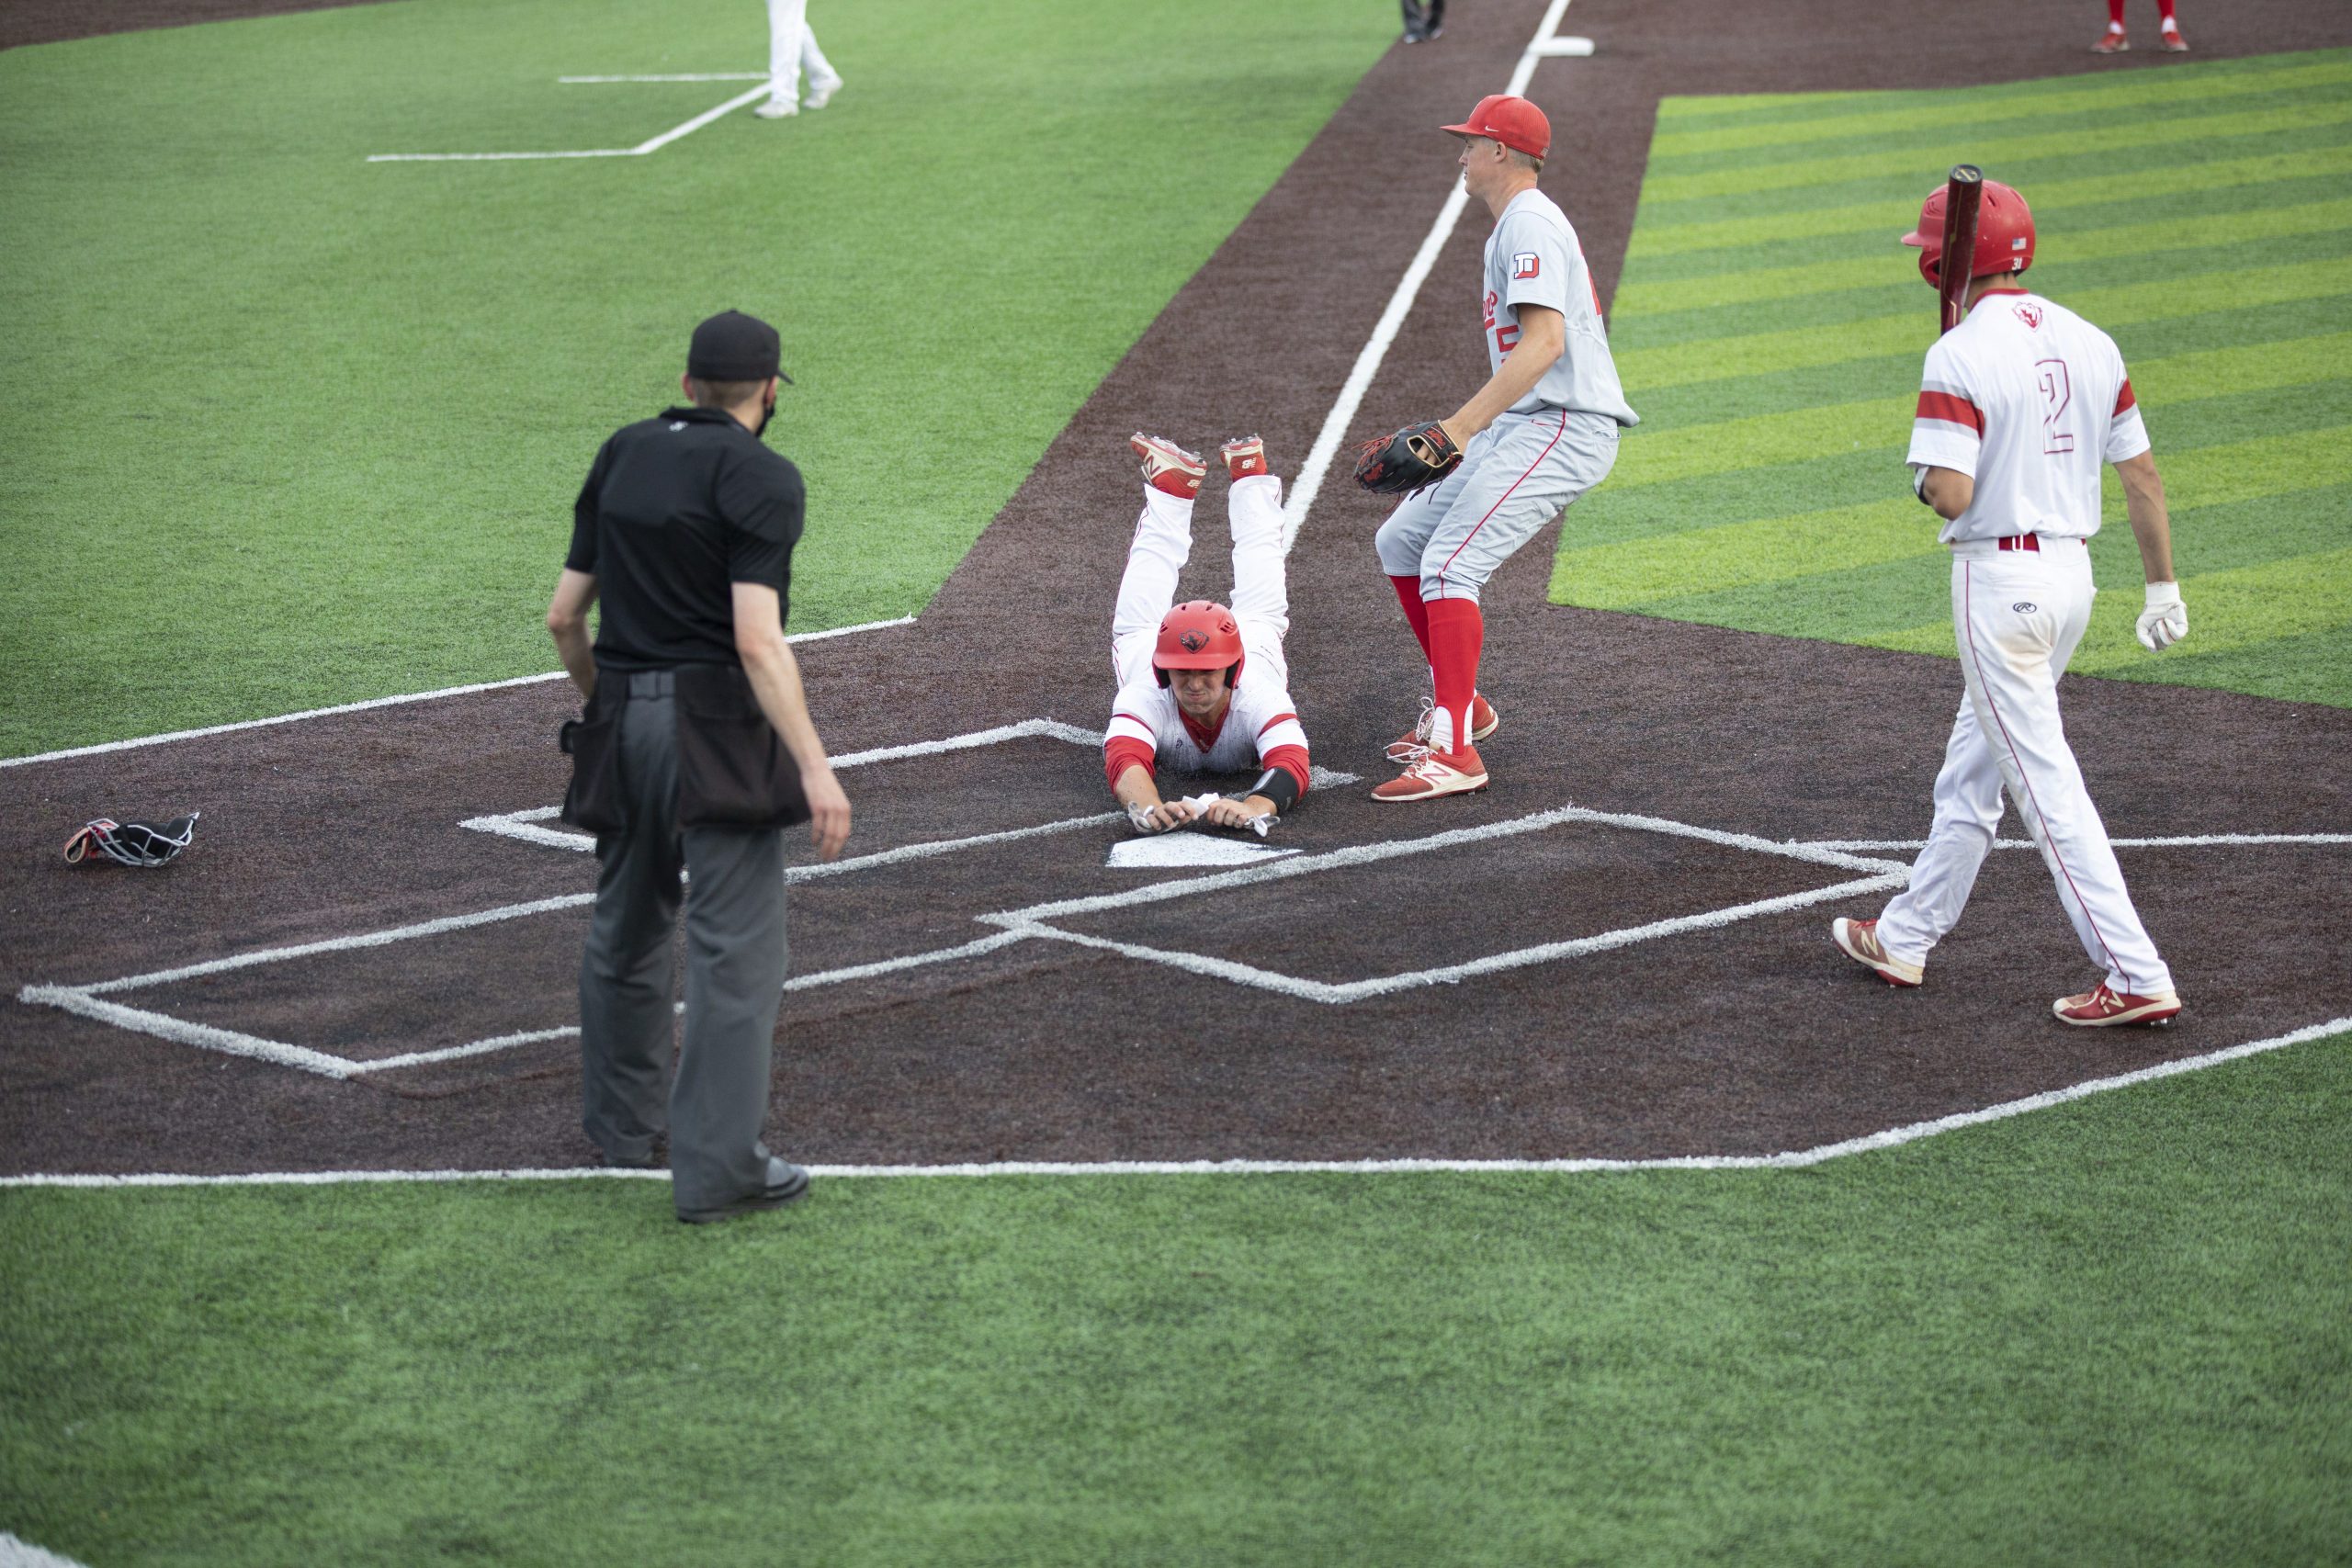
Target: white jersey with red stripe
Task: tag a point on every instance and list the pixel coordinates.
(2031, 401)
(1260, 718)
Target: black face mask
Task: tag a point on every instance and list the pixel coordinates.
(767, 412)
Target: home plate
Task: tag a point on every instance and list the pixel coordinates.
(1187, 848)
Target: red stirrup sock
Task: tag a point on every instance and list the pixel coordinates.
(2115, 12)
(1457, 631)
(1408, 593)
(2165, 7)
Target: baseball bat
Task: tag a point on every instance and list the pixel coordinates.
(1963, 193)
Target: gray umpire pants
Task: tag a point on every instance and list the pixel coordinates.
(735, 969)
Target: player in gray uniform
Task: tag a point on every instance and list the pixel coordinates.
(1540, 433)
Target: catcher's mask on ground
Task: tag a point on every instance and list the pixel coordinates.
(2003, 233)
(1199, 639)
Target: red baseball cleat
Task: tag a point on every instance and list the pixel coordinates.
(2111, 41)
(1860, 940)
(2100, 1007)
(1483, 723)
(2172, 42)
(1433, 773)
(1167, 468)
(1245, 457)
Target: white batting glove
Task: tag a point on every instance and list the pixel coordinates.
(2166, 620)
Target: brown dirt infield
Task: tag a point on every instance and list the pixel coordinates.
(1751, 1038)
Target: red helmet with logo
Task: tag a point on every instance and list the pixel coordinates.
(1198, 634)
(2003, 233)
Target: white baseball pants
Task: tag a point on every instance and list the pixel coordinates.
(792, 47)
(1164, 541)
(2021, 615)
(1516, 475)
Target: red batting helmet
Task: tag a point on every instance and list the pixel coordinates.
(1198, 634)
(2003, 233)
(1514, 122)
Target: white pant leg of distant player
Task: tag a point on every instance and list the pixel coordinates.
(1260, 603)
(2020, 613)
(792, 48)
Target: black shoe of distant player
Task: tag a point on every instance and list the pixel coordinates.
(785, 1182)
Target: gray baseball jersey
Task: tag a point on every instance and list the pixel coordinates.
(1533, 258)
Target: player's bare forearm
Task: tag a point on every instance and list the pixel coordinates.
(568, 623)
(1949, 490)
(1542, 335)
(774, 675)
(2144, 503)
(1136, 787)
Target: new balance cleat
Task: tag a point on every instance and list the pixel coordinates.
(1167, 468)
(2100, 1007)
(1483, 723)
(1859, 939)
(1245, 457)
(1433, 773)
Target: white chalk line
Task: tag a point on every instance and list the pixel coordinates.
(1821, 1153)
(652, 144)
(1308, 483)
(2188, 841)
(672, 76)
(376, 703)
(16, 1553)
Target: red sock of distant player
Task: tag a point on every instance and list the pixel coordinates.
(1408, 593)
(2171, 23)
(1457, 631)
(2115, 15)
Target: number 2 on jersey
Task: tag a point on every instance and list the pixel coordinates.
(2057, 392)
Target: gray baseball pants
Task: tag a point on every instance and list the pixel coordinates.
(735, 970)
(1516, 475)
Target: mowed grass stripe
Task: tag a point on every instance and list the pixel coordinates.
(1799, 435)
(1657, 237)
(1757, 354)
(1904, 159)
(1960, 113)
(1755, 284)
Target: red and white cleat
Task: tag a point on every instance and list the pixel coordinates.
(1167, 468)
(2171, 42)
(2100, 1007)
(2111, 41)
(1433, 773)
(1245, 457)
(1483, 723)
(1859, 941)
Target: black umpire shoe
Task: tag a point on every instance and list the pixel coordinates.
(785, 1182)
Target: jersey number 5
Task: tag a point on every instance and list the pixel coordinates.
(2057, 392)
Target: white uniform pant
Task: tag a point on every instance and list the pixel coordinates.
(792, 48)
(1515, 476)
(1164, 541)
(2019, 614)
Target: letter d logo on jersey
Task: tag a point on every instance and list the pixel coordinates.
(1526, 263)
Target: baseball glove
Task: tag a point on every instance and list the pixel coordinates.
(134, 843)
(1417, 456)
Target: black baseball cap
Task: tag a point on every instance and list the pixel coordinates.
(732, 346)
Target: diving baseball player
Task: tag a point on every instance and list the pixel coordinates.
(1540, 433)
(2018, 406)
(1203, 688)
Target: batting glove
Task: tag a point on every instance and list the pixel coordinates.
(2166, 620)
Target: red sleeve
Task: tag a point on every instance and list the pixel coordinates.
(1291, 759)
(2124, 400)
(1951, 410)
(1121, 752)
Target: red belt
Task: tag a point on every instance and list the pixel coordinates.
(2022, 542)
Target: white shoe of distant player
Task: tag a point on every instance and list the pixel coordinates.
(821, 93)
(777, 108)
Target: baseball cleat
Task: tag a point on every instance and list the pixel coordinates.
(1167, 468)
(1483, 723)
(2172, 42)
(1859, 939)
(821, 94)
(2100, 1007)
(2112, 41)
(1433, 773)
(777, 108)
(1245, 457)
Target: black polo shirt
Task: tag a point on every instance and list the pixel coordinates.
(675, 511)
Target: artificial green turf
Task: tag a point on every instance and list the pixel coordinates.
(2118, 1331)
(1770, 330)
(279, 427)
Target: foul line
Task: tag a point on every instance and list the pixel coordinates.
(1308, 482)
(652, 145)
(377, 702)
(1820, 1154)
(2192, 841)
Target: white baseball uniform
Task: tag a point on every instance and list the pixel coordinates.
(792, 47)
(1554, 443)
(1261, 725)
(2031, 399)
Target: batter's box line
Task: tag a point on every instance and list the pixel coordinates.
(1035, 920)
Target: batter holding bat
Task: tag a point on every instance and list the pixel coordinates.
(2020, 404)
(1481, 483)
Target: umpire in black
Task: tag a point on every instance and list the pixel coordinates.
(694, 751)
